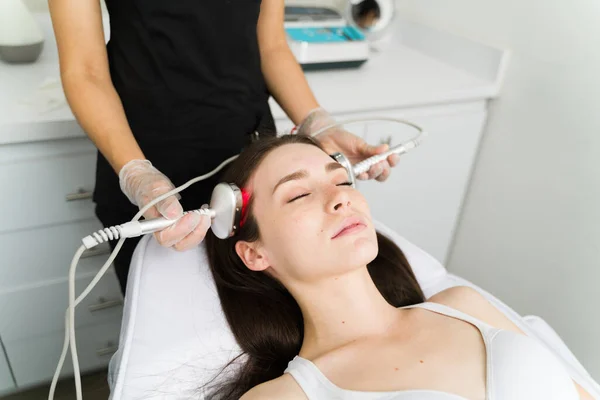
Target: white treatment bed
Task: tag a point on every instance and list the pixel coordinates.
(174, 336)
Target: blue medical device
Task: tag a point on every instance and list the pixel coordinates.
(321, 38)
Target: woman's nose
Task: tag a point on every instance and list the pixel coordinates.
(339, 199)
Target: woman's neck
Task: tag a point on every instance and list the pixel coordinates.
(341, 310)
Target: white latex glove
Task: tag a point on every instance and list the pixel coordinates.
(337, 139)
(142, 183)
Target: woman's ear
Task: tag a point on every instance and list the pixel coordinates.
(251, 255)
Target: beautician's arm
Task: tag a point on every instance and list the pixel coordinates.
(470, 302)
(86, 79)
(94, 101)
(284, 77)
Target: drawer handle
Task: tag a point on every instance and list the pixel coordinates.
(96, 252)
(387, 141)
(103, 304)
(108, 350)
(81, 194)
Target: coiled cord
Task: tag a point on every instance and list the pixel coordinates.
(106, 234)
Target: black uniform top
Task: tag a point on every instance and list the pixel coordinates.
(188, 75)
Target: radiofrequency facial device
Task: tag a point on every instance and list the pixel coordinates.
(226, 210)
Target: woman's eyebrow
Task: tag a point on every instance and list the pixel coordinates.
(301, 174)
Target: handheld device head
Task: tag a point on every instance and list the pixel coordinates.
(227, 202)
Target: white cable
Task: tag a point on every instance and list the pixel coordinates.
(373, 119)
(70, 324)
(366, 164)
(115, 232)
(63, 354)
(70, 313)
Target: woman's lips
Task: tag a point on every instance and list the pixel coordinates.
(356, 227)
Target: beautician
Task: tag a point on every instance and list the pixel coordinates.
(181, 86)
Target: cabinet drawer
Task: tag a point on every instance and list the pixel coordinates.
(34, 360)
(35, 191)
(43, 254)
(40, 311)
(6, 381)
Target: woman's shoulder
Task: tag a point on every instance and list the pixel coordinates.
(471, 302)
(284, 387)
(459, 297)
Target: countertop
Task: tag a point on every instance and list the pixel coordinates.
(419, 66)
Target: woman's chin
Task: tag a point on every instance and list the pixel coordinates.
(361, 250)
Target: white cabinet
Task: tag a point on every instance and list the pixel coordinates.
(34, 360)
(48, 186)
(6, 380)
(51, 188)
(423, 197)
(57, 244)
(37, 311)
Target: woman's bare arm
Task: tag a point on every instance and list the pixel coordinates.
(86, 79)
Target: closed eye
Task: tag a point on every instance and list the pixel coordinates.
(306, 194)
(298, 197)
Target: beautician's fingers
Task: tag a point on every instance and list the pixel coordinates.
(379, 172)
(385, 174)
(179, 230)
(141, 182)
(372, 173)
(376, 170)
(393, 160)
(169, 208)
(196, 237)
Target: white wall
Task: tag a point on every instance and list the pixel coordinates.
(530, 229)
(36, 5)
(42, 5)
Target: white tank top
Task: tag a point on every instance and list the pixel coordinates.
(517, 368)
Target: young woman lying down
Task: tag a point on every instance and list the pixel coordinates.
(324, 307)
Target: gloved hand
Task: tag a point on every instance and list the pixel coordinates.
(142, 183)
(337, 139)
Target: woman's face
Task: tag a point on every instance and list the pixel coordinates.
(312, 224)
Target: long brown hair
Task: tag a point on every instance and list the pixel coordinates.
(265, 319)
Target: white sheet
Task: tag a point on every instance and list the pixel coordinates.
(174, 336)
